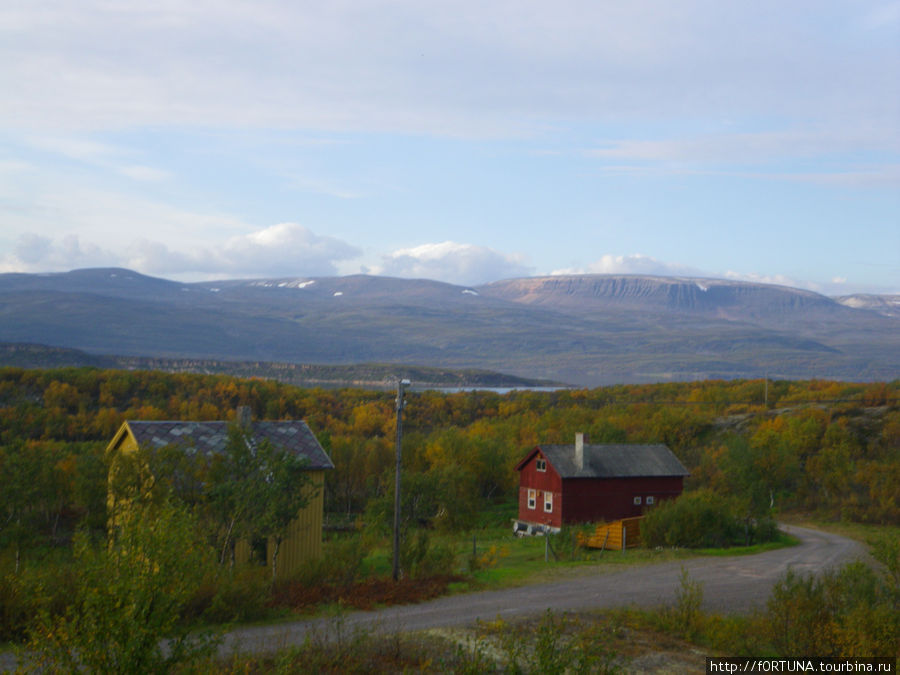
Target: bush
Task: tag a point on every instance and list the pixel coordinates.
(340, 564)
(241, 594)
(849, 612)
(420, 557)
(41, 588)
(700, 519)
(128, 597)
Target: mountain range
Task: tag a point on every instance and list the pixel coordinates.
(579, 329)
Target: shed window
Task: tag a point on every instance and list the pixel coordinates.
(548, 502)
(532, 499)
(650, 500)
(541, 464)
(637, 501)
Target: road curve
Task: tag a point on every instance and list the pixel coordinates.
(735, 584)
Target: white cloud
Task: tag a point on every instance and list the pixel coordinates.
(460, 68)
(94, 153)
(835, 286)
(631, 264)
(286, 249)
(777, 279)
(745, 148)
(449, 261)
(35, 253)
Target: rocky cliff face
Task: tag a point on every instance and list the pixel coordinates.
(886, 305)
(712, 297)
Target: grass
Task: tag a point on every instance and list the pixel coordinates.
(505, 561)
(862, 532)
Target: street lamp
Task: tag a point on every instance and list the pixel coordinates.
(401, 385)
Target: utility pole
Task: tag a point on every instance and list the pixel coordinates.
(401, 385)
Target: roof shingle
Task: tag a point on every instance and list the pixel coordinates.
(211, 437)
(614, 461)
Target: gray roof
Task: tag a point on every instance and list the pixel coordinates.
(614, 461)
(211, 437)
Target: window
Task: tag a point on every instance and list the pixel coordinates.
(637, 501)
(548, 502)
(649, 501)
(541, 465)
(532, 499)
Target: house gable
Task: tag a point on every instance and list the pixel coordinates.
(540, 490)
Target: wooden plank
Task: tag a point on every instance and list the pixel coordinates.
(617, 535)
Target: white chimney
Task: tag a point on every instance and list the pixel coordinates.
(579, 450)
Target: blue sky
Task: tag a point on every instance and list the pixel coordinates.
(464, 141)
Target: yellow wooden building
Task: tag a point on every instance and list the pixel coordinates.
(304, 538)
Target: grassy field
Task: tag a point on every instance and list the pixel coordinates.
(862, 532)
(493, 558)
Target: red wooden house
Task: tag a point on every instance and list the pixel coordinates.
(566, 484)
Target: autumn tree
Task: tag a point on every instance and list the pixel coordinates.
(128, 598)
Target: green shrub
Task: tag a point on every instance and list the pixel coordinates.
(340, 564)
(43, 587)
(241, 594)
(126, 598)
(848, 612)
(700, 519)
(420, 557)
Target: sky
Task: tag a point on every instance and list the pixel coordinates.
(465, 141)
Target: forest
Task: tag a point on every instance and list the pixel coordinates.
(821, 446)
(761, 448)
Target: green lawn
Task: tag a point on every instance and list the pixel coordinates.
(504, 560)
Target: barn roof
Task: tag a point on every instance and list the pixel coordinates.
(211, 437)
(612, 461)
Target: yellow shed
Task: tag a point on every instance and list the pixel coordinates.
(304, 539)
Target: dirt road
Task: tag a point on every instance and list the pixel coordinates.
(730, 585)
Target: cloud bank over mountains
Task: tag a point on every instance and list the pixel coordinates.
(456, 263)
(293, 250)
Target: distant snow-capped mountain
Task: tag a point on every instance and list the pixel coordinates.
(589, 329)
(888, 305)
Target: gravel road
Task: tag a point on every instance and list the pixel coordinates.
(730, 585)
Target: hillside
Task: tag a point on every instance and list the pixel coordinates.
(368, 375)
(585, 330)
(888, 305)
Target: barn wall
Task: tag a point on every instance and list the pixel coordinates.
(588, 500)
(304, 539)
(543, 482)
(304, 536)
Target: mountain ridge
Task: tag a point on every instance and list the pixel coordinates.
(583, 329)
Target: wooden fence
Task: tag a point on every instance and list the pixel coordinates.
(617, 535)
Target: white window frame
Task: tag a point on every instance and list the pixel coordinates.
(637, 501)
(541, 465)
(548, 502)
(532, 499)
(650, 500)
